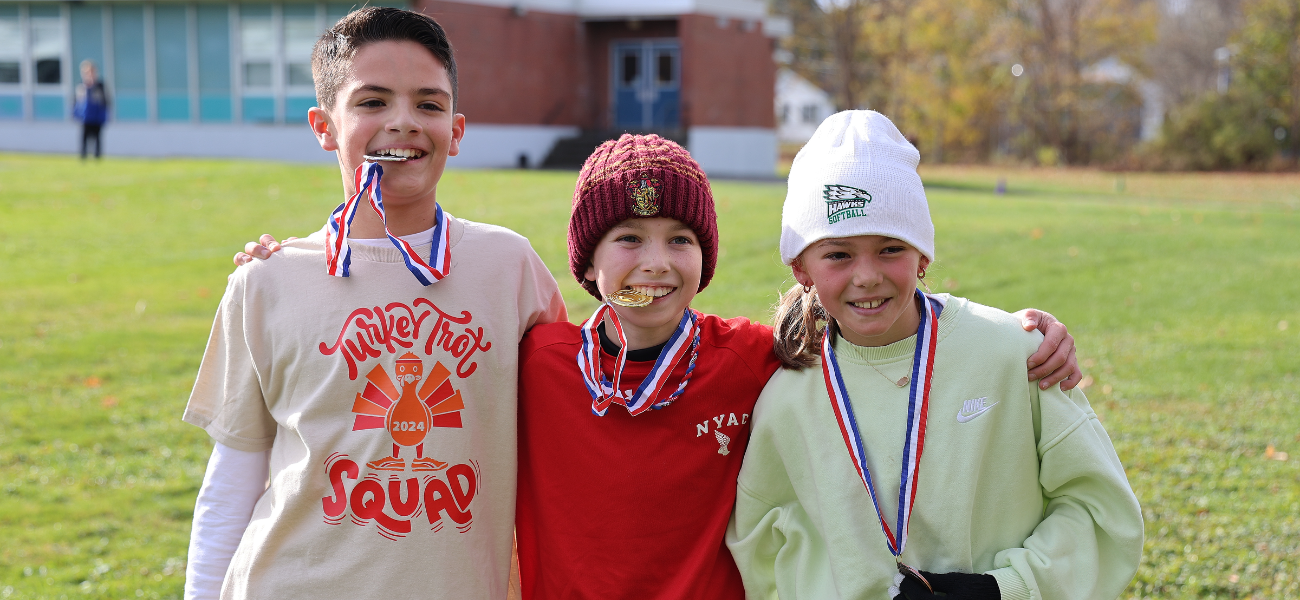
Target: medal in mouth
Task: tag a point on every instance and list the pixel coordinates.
(630, 298)
(394, 155)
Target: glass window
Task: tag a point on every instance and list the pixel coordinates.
(665, 68)
(300, 74)
(257, 44)
(631, 68)
(11, 45)
(300, 35)
(172, 51)
(48, 40)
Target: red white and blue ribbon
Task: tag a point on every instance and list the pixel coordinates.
(686, 338)
(338, 255)
(918, 406)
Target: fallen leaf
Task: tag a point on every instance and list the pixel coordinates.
(1269, 452)
(92, 382)
(204, 292)
(109, 401)
(1279, 455)
(1037, 233)
(1233, 578)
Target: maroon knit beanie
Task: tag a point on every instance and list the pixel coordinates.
(639, 176)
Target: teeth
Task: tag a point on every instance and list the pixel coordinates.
(868, 304)
(654, 291)
(400, 152)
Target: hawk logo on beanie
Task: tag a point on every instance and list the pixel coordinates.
(645, 195)
(844, 202)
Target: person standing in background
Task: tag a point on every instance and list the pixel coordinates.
(91, 108)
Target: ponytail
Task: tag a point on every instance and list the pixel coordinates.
(800, 320)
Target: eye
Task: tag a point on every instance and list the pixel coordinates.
(431, 105)
(371, 103)
(837, 255)
(628, 238)
(681, 239)
(893, 249)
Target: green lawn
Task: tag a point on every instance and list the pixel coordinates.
(1181, 290)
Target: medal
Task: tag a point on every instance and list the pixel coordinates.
(338, 255)
(630, 298)
(927, 336)
(603, 392)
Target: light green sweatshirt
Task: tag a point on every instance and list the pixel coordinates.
(1015, 482)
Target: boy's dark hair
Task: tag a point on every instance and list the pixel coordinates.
(333, 53)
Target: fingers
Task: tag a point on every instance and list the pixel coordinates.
(1053, 337)
(269, 242)
(1061, 366)
(1032, 318)
(242, 259)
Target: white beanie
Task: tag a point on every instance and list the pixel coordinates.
(856, 176)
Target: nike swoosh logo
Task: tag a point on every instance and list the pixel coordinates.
(968, 418)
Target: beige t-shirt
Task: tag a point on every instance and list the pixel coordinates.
(389, 408)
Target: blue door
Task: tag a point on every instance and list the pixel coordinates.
(647, 84)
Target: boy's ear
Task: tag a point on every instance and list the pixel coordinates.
(590, 275)
(457, 133)
(323, 127)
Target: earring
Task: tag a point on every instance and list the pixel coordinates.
(807, 289)
(920, 274)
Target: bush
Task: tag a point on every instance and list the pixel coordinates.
(1216, 132)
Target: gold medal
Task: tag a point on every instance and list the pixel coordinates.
(630, 298)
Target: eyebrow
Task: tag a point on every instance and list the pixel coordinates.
(377, 89)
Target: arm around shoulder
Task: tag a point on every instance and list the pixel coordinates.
(1089, 542)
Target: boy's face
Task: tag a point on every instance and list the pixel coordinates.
(867, 283)
(658, 257)
(397, 97)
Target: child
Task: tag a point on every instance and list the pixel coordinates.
(370, 370)
(1010, 491)
(632, 426)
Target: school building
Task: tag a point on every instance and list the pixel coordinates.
(541, 81)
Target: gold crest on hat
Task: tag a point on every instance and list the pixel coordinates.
(645, 195)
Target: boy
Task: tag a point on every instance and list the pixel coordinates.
(379, 401)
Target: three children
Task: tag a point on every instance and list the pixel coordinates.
(631, 428)
(912, 459)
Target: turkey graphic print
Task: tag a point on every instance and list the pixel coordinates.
(405, 486)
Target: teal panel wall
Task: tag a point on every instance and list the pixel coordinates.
(215, 108)
(11, 107)
(128, 62)
(171, 56)
(259, 109)
(295, 108)
(48, 107)
(214, 63)
(87, 37)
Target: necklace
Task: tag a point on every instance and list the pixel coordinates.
(900, 383)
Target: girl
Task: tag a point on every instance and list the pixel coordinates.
(915, 411)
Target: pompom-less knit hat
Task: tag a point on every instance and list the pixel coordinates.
(639, 176)
(856, 176)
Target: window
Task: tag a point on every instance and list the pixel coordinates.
(11, 46)
(784, 114)
(666, 68)
(810, 113)
(48, 40)
(631, 68)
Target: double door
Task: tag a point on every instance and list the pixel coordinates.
(647, 84)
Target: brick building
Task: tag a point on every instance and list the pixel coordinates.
(541, 81)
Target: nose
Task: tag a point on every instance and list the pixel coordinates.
(655, 258)
(866, 274)
(403, 120)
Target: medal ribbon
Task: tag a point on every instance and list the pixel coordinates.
(604, 393)
(338, 255)
(918, 406)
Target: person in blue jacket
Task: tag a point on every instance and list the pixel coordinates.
(91, 108)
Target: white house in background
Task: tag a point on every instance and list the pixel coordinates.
(800, 107)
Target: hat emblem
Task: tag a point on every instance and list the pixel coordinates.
(844, 202)
(644, 192)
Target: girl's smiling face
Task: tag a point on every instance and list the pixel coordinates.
(659, 257)
(867, 283)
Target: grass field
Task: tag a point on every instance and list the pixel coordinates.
(1181, 291)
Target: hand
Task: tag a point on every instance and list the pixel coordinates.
(261, 249)
(1054, 361)
(950, 586)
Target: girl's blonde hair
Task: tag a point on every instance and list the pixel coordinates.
(800, 322)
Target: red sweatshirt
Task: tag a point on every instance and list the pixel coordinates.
(634, 507)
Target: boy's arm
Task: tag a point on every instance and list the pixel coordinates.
(1054, 361)
(234, 481)
(1090, 539)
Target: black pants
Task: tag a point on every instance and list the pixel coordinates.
(89, 131)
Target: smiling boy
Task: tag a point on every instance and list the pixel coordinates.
(360, 386)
